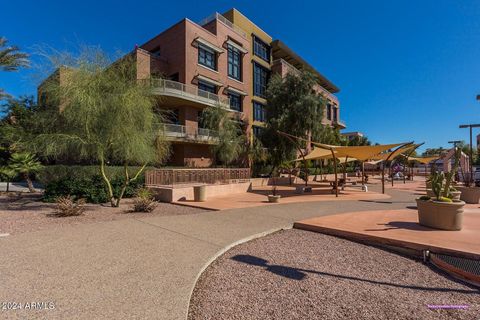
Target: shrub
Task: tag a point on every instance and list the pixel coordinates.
(424, 198)
(84, 182)
(67, 207)
(144, 202)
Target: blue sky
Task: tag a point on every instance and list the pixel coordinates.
(407, 70)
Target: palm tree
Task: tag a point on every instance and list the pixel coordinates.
(25, 164)
(10, 60)
(8, 174)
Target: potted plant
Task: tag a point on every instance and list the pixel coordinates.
(440, 211)
(274, 197)
(469, 193)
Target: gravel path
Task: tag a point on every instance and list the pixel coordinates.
(297, 274)
(27, 214)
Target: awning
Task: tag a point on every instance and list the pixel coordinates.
(237, 91)
(208, 44)
(237, 46)
(209, 80)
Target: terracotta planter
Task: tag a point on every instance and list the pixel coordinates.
(272, 198)
(440, 215)
(469, 194)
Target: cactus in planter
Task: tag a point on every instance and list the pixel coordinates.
(437, 179)
(450, 175)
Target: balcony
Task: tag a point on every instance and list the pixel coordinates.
(180, 133)
(188, 92)
(339, 124)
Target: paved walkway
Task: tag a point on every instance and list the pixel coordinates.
(141, 268)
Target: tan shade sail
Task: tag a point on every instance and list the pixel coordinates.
(360, 153)
(317, 154)
(392, 155)
(425, 160)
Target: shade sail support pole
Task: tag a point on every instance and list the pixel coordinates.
(385, 163)
(291, 138)
(335, 171)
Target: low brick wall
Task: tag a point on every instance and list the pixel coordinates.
(182, 193)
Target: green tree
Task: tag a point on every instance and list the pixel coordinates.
(18, 121)
(105, 115)
(11, 59)
(7, 174)
(25, 164)
(295, 108)
(230, 139)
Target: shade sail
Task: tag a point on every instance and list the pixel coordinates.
(425, 160)
(392, 155)
(317, 154)
(360, 153)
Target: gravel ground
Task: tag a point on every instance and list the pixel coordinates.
(297, 274)
(29, 214)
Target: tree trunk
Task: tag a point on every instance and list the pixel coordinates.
(107, 182)
(29, 183)
(127, 181)
(8, 186)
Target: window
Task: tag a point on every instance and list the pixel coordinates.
(200, 119)
(329, 111)
(156, 51)
(259, 112)
(234, 63)
(173, 116)
(260, 80)
(257, 131)
(205, 86)
(261, 49)
(334, 110)
(235, 101)
(207, 57)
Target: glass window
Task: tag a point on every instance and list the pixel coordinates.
(235, 101)
(257, 131)
(261, 49)
(234, 63)
(205, 86)
(259, 112)
(260, 80)
(207, 57)
(329, 111)
(334, 110)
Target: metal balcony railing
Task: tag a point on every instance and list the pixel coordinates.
(190, 92)
(189, 133)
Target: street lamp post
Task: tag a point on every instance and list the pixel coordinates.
(470, 126)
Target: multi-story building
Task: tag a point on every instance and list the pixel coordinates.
(224, 60)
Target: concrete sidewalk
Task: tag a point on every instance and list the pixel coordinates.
(139, 268)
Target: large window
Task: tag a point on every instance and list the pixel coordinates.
(260, 80)
(261, 49)
(207, 57)
(257, 132)
(329, 111)
(334, 110)
(259, 112)
(234, 63)
(235, 101)
(205, 86)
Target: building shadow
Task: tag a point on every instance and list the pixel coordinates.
(300, 274)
